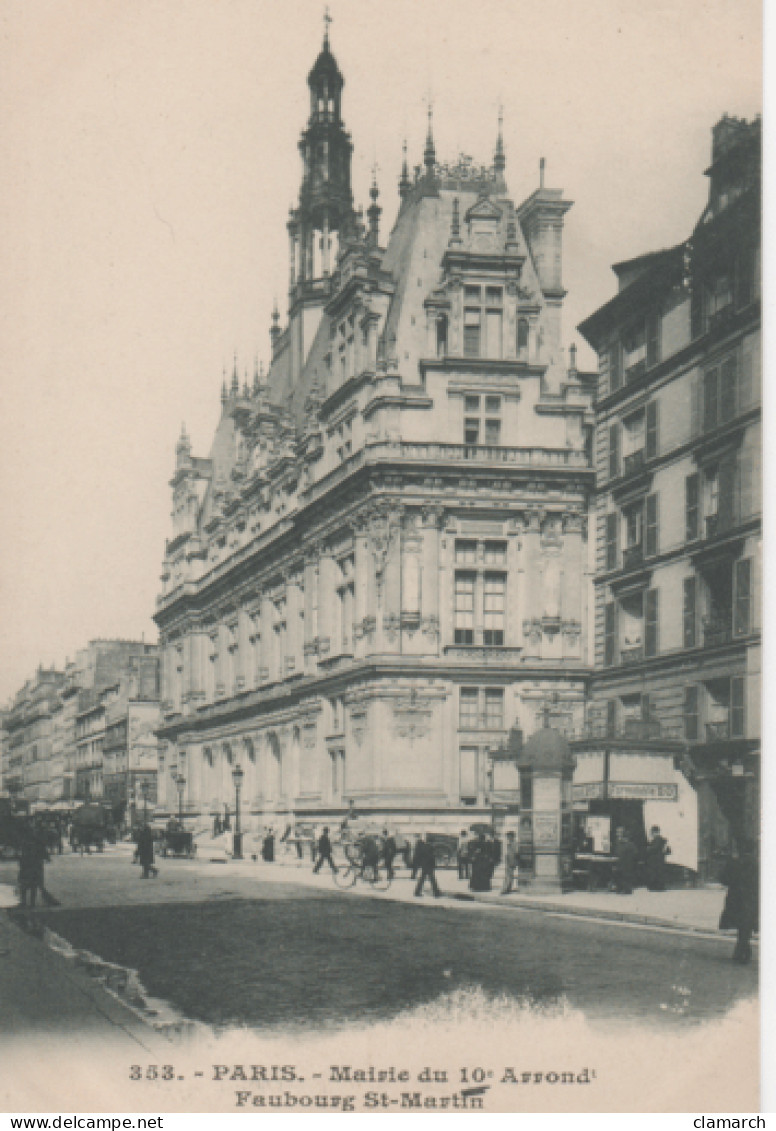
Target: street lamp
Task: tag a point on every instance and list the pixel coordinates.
(180, 781)
(237, 778)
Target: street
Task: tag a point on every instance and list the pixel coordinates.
(273, 948)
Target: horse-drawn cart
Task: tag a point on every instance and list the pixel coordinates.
(178, 841)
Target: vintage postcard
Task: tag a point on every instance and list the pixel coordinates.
(381, 573)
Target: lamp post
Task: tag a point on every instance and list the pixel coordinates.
(180, 781)
(237, 778)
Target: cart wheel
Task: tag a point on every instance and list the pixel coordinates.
(345, 877)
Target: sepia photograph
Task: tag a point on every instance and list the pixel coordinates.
(381, 581)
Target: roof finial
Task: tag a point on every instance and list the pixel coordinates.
(500, 161)
(256, 382)
(327, 19)
(429, 153)
(374, 209)
(235, 378)
(404, 179)
(541, 172)
(223, 384)
(455, 226)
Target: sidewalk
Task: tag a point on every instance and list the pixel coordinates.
(46, 998)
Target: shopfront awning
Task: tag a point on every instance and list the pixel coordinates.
(624, 775)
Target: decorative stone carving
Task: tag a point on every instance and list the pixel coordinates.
(391, 626)
(532, 628)
(430, 627)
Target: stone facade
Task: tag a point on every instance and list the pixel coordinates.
(383, 564)
(679, 505)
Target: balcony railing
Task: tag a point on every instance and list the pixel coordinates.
(633, 463)
(633, 556)
(712, 525)
(631, 653)
(717, 632)
(482, 453)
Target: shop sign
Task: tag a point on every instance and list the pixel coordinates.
(589, 791)
(634, 791)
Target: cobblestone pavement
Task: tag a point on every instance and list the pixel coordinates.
(323, 955)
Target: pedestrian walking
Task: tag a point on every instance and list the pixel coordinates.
(655, 860)
(463, 855)
(389, 852)
(268, 847)
(742, 903)
(324, 852)
(370, 856)
(424, 862)
(32, 858)
(510, 863)
(625, 863)
(481, 874)
(145, 852)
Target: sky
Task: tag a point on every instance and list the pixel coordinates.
(148, 159)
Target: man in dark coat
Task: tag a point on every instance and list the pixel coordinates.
(32, 857)
(655, 860)
(324, 851)
(625, 866)
(481, 855)
(268, 847)
(389, 852)
(423, 861)
(742, 903)
(145, 852)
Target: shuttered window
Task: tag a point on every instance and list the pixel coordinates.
(691, 510)
(610, 625)
(710, 399)
(650, 622)
(742, 597)
(745, 389)
(737, 707)
(650, 446)
(651, 540)
(612, 523)
(689, 619)
(690, 712)
(726, 512)
(614, 451)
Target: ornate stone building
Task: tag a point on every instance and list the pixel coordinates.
(383, 563)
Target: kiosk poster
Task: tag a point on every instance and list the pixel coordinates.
(382, 428)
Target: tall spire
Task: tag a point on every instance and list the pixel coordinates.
(374, 210)
(404, 179)
(327, 19)
(499, 160)
(429, 153)
(235, 378)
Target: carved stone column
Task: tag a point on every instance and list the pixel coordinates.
(310, 645)
(532, 626)
(571, 599)
(363, 631)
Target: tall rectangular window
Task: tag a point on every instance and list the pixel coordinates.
(651, 542)
(494, 599)
(689, 619)
(464, 608)
(494, 708)
(493, 324)
(472, 320)
(690, 712)
(468, 708)
(650, 447)
(710, 399)
(614, 450)
(691, 507)
(615, 367)
(610, 628)
(651, 642)
(742, 596)
(737, 707)
(612, 525)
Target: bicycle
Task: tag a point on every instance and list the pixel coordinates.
(346, 877)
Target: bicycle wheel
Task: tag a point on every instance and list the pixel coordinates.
(380, 882)
(345, 877)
